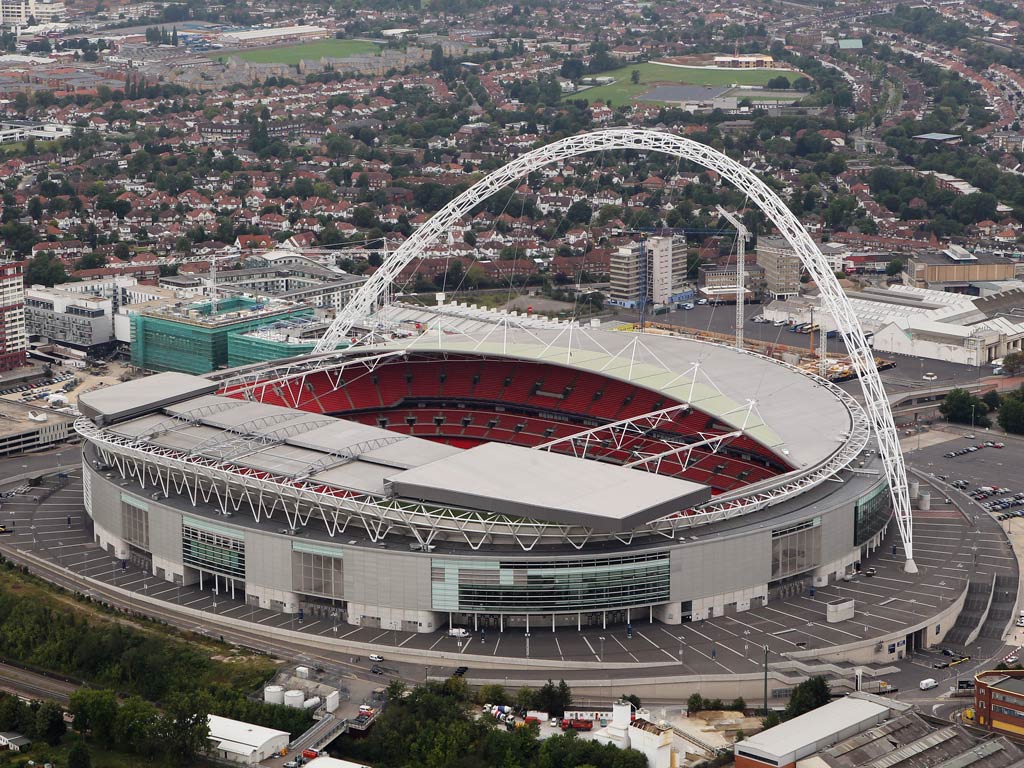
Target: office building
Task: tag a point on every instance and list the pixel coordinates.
(13, 339)
(651, 271)
(782, 267)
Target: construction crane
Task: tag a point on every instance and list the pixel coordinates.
(742, 238)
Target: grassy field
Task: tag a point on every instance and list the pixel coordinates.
(293, 54)
(624, 91)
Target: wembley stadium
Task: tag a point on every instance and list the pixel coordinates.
(503, 476)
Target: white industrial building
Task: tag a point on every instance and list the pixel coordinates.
(920, 322)
(243, 743)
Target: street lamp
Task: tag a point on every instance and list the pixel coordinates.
(972, 416)
(601, 638)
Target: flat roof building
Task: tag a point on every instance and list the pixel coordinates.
(793, 740)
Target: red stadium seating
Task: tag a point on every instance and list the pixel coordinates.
(465, 401)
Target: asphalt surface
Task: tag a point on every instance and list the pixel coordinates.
(56, 530)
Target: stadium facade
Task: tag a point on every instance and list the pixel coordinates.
(503, 478)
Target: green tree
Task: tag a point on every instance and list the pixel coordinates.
(183, 729)
(136, 726)
(79, 757)
(991, 400)
(95, 712)
(49, 726)
(634, 77)
(808, 695)
(894, 267)
(492, 694)
(579, 212)
(437, 60)
(961, 407)
(632, 698)
(695, 703)
(1013, 363)
(572, 69)
(45, 269)
(1011, 413)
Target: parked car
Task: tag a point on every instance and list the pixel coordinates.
(375, 657)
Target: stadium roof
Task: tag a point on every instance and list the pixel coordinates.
(144, 395)
(519, 482)
(346, 454)
(788, 413)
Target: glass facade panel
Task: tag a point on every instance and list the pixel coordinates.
(495, 586)
(135, 521)
(213, 552)
(871, 514)
(796, 548)
(316, 574)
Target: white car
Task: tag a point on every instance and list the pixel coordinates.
(375, 657)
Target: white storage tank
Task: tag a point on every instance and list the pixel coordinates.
(915, 488)
(926, 501)
(311, 703)
(333, 701)
(302, 672)
(294, 699)
(273, 694)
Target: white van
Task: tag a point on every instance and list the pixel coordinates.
(458, 632)
(928, 684)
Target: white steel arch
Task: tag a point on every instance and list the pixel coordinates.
(741, 177)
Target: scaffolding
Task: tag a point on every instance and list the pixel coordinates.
(194, 339)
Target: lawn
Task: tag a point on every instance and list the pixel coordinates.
(293, 54)
(624, 91)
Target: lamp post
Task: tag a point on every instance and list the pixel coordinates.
(601, 638)
(972, 417)
(766, 679)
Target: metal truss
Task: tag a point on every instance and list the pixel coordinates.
(232, 488)
(628, 435)
(642, 140)
(254, 384)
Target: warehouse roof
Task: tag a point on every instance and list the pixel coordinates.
(238, 737)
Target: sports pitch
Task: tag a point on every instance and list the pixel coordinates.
(293, 54)
(625, 91)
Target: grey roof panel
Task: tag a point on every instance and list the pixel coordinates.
(140, 396)
(519, 482)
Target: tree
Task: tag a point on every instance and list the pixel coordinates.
(807, 696)
(572, 69)
(95, 713)
(50, 723)
(437, 61)
(780, 83)
(492, 694)
(183, 729)
(894, 267)
(695, 703)
(1011, 412)
(35, 208)
(634, 77)
(632, 698)
(579, 212)
(992, 400)
(135, 727)
(45, 269)
(79, 756)
(961, 407)
(1013, 363)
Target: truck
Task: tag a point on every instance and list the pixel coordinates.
(458, 632)
(533, 716)
(577, 724)
(310, 754)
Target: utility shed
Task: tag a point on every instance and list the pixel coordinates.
(243, 743)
